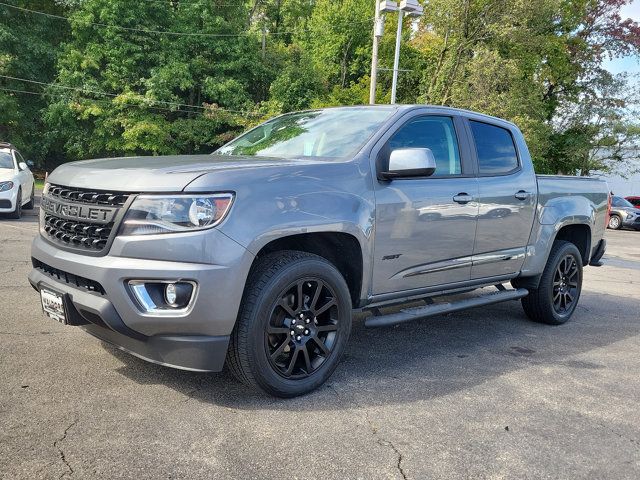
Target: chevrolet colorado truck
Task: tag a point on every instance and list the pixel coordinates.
(257, 256)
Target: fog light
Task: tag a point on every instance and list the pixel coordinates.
(170, 294)
(159, 297)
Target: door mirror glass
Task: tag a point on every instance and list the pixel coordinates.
(23, 166)
(410, 162)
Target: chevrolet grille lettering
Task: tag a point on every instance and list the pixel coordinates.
(80, 212)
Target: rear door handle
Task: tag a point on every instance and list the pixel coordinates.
(522, 195)
(462, 198)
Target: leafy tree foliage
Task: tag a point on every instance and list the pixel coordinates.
(183, 76)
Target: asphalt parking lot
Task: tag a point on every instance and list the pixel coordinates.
(477, 394)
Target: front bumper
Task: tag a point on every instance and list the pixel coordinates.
(633, 222)
(8, 200)
(99, 299)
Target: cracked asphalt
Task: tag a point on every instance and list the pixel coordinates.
(478, 394)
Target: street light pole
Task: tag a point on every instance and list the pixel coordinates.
(412, 9)
(396, 58)
(377, 33)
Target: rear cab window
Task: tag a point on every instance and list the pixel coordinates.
(495, 149)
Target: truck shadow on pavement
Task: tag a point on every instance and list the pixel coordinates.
(424, 359)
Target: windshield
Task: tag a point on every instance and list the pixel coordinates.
(334, 133)
(621, 202)
(6, 159)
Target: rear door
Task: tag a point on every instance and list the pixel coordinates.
(507, 191)
(425, 227)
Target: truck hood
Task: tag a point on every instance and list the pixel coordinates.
(169, 173)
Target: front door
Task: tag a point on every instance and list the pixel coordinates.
(425, 227)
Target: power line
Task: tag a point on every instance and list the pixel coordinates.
(238, 112)
(14, 90)
(161, 32)
(143, 30)
(96, 92)
(195, 2)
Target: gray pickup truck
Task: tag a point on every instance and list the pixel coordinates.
(258, 255)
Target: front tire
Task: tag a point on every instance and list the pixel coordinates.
(557, 295)
(615, 222)
(17, 212)
(32, 199)
(293, 325)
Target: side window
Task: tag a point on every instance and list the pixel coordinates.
(435, 133)
(495, 148)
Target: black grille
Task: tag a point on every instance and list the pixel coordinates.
(81, 233)
(92, 197)
(5, 203)
(77, 234)
(68, 278)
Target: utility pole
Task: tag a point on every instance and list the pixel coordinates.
(378, 27)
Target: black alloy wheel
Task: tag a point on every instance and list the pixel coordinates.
(293, 325)
(302, 328)
(565, 285)
(555, 299)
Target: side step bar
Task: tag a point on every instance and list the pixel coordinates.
(415, 313)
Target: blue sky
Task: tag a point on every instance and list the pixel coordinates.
(626, 64)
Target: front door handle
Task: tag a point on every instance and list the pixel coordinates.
(522, 195)
(462, 198)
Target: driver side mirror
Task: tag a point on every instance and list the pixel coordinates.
(410, 162)
(22, 166)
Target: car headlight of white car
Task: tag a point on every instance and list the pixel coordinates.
(6, 186)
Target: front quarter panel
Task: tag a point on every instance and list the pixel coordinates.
(276, 202)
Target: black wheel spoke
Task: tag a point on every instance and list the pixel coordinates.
(325, 307)
(292, 362)
(316, 295)
(271, 330)
(307, 360)
(327, 328)
(280, 350)
(300, 296)
(287, 308)
(321, 345)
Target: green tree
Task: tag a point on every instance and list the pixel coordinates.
(28, 50)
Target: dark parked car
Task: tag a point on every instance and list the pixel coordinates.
(623, 214)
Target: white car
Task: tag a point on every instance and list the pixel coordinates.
(16, 182)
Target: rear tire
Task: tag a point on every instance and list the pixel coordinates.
(17, 212)
(558, 292)
(615, 222)
(293, 325)
(32, 200)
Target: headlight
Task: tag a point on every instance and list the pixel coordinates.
(152, 214)
(6, 186)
